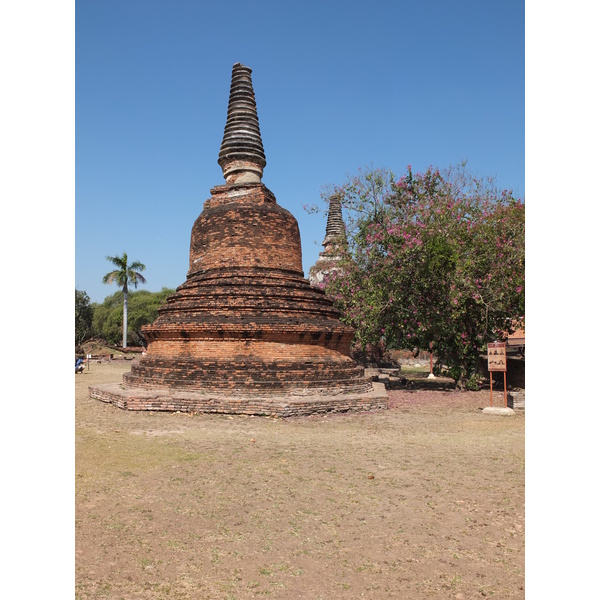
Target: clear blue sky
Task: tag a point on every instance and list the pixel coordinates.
(339, 85)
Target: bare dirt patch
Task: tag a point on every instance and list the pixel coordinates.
(425, 500)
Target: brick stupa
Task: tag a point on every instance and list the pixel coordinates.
(245, 333)
(335, 238)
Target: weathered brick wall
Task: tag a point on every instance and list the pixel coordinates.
(246, 376)
(245, 295)
(243, 226)
(246, 322)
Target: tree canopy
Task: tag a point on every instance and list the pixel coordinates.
(143, 309)
(84, 315)
(125, 274)
(433, 260)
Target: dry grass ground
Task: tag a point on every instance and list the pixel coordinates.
(425, 500)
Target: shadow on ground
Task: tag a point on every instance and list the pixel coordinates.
(420, 381)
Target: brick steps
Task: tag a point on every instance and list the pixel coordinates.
(299, 404)
(249, 376)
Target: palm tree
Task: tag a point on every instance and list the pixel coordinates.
(124, 275)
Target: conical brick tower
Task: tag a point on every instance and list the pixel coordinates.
(335, 238)
(245, 333)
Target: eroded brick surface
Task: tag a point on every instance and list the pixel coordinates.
(246, 321)
(272, 406)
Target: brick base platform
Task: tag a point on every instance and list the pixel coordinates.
(298, 404)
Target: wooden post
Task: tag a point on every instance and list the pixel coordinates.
(431, 375)
(497, 362)
(430, 362)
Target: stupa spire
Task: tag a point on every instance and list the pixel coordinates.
(335, 239)
(242, 156)
(335, 231)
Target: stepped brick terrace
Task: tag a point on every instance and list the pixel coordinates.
(246, 332)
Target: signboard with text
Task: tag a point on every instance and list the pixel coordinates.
(497, 356)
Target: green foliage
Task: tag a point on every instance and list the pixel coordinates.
(431, 259)
(108, 318)
(142, 309)
(472, 384)
(125, 274)
(84, 315)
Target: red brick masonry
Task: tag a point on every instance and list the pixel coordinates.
(280, 406)
(246, 333)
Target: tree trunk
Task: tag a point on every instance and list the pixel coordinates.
(125, 318)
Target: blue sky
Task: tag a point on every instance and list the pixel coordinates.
(339, 85)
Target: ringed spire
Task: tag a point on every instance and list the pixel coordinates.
(335, 230)
(242, 157)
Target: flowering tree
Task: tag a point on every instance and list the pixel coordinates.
(433, 260)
